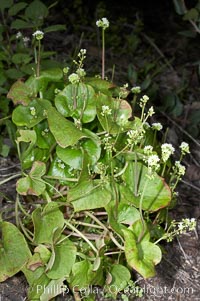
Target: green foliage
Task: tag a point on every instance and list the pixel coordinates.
(101, 185)
(17, 48)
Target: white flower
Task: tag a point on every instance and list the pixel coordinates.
(157, 126)
(184, 148)
(153, 161)
(153, 165)
(106, 110)
(143, 100)
(104, 23)
(26, 40)
(18, 35)
(179, 168)
(167, 150)
(81, 72)
(33, 111)
(136, 90)
(38, 34)
(151, 111)
(148, 149)
(74, 78)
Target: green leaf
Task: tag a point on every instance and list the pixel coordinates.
(141, 255)
(19, 93)
(38, 287)
(16, 8)
(71, 156)
(44, 137)
(180, 7)
(82, 274)
(65, 255)
(46, 222)
(120, 113)
(5, 4)
(36, 11)
(40, 83)
(33, 184)
(89, 195)
(127, 214)
(32, 114)
(14, 251)
(92, 146)
(120, 278)
(62, 129)
(61, 172)
(55, 28)
(156, 194)
(53, 289)
(191, 14)
(77, 101)
(21, 58)
(103, 86)
(20, 24)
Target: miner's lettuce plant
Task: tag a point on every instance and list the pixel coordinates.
(95, 185)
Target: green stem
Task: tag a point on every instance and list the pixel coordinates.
(103, 53)
(38, 59)
(82, 236)
(140, 209)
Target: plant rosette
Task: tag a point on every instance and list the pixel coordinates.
(99, 174)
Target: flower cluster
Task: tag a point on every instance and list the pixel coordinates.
(143, 100)
(135, 136)
(153, 165)
(106, 111)
(74, 78)
(179, 169)
(177, 228)
(167, 150)
(157, 126)
(38, 34)
(136, 90)
(184, 148)
(104, 23)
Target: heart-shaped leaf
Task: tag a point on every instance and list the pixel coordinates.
(65, 255)
(20, 93)
(63, 130)
(77, 101)
(46, 222)
(32, 183)
(141, 254)
(14, 251)
(89, 195)
(31, 114)
(156, 194)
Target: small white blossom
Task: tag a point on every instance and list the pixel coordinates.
(151, 111)
(104, 23)
(136, 90)
(179, 169)
(157, 126)
(184, 148)
(18, 35)
(65, 70)
(143, 100)
(148, 149)
(106, 110)
(38, 34)
(81, 72)
(167, 150)
(135, 136)
(26, 40)
(33, 111)
(74, 78)
(153, 165)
